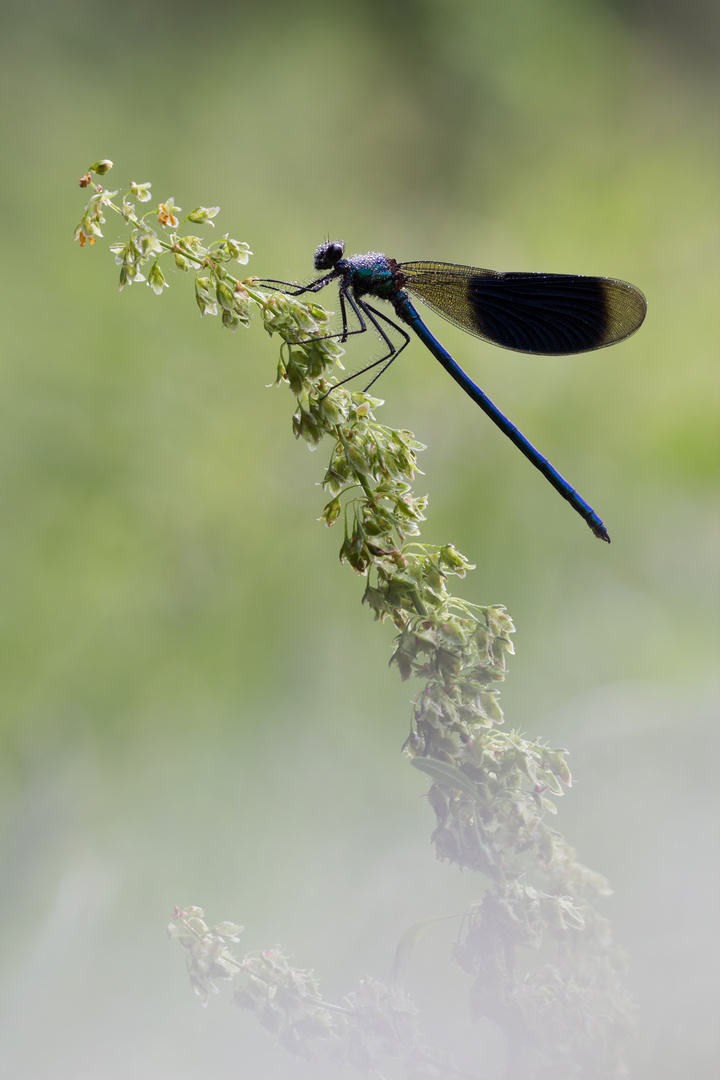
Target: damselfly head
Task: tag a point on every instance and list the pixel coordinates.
(329, 254)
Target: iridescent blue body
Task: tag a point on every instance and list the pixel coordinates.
(550, 314)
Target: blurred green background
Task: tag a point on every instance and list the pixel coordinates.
(194, 707)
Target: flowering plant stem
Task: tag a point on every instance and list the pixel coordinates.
(565, 1015)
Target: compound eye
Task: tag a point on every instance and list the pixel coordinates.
(329, 254)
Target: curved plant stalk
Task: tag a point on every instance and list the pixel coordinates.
(539, 955)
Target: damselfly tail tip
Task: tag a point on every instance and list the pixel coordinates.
(601, 532)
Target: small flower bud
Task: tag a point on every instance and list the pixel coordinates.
(225, 295)
(331, 512)
(141, 191)
(239, 250)
(203, 213)
(156, 280)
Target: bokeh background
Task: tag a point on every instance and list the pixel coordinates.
(194, 707)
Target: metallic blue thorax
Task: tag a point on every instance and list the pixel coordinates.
(373, 274)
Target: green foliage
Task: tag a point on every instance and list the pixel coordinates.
(567, 1015)
(213, 285)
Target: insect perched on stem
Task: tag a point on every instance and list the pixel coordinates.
(548, 314)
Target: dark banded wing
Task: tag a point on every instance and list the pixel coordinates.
(552, 314)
